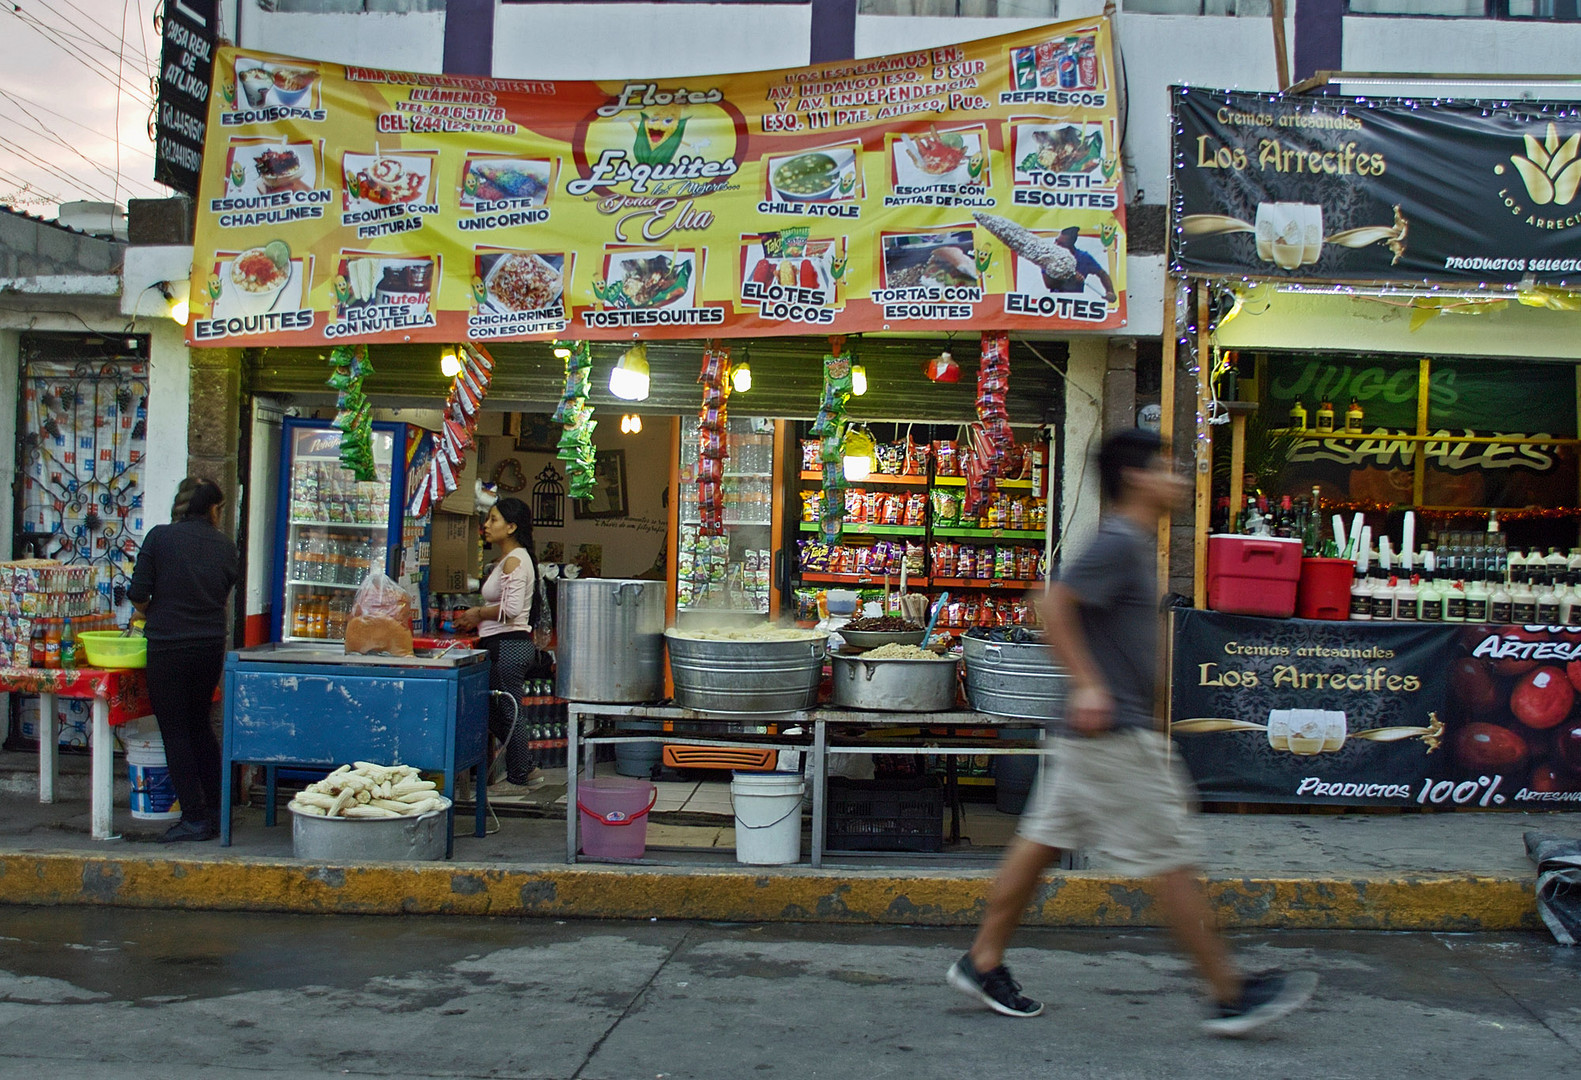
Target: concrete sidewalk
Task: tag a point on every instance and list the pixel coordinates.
(1450, 871)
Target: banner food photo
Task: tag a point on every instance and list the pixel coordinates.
(1437, 717)
(941, 189)
(1350, 190)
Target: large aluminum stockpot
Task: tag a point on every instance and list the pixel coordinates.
(609, 640)
(1013, 679)
(743, 675)
(894, 685)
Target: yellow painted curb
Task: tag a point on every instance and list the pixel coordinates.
(792, 894)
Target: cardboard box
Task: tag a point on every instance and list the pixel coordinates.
(463, 500)
(455, 552)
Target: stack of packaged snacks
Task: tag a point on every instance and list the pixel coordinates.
(884, 557)
(968, 611)
(1003, 511)
(872, 507)
(701, 564)
(1007, 562)
(36, 596)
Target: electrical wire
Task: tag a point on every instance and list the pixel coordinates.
(52, 169)
(22, 102)
(62, 41)
(44, 130)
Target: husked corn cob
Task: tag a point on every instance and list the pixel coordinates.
(1056, 262)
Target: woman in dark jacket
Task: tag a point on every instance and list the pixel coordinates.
(183, 578)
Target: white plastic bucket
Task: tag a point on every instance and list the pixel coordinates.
(768, 817)
(153, 797)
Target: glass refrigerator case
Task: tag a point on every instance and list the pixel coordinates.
(333, 530)
(731, 578)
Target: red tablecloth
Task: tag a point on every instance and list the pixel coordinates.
(125, 689)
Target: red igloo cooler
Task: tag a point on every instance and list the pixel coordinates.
(1253, 575)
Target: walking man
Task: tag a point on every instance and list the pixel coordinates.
(1110, 782)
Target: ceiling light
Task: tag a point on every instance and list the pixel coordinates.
(629, 380)
(176, 294)
(858, 380)
(631, 424)
(449, 364)
(857, 455)
(562, 353)
(741, 377)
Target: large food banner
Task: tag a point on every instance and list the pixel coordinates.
(1356, 714)
(953, 188)
(1309, 187)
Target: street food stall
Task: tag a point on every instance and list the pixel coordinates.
(1385, 573)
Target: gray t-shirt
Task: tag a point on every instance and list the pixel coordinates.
(1114, 582)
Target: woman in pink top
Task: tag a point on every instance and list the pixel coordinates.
(504, 623)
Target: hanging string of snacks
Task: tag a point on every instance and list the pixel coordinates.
(354, 420)
(992, 440)
(462, 408)
(712, 441)
(576, 441)
(830, 430)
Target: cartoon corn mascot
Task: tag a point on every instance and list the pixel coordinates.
(659, 134)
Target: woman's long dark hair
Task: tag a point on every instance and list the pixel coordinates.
(516, 513)
(195, 497)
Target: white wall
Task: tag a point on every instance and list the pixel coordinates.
(618, 41)
(169, 379)
(402, 42)
(1463, 46)
(1079, 502)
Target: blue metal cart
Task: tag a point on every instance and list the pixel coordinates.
(306, 706)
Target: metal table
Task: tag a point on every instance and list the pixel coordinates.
(317, 707)
(816, 721)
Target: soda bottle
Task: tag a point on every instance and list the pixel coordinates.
(68, 645)
(52, 644)
(37, 659)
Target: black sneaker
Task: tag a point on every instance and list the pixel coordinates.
(995, 988)
(183, 830)
(1263, 998)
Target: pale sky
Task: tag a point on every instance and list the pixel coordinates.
(58, 102)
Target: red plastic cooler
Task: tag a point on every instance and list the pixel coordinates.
(1254, 575)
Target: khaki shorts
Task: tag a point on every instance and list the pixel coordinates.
(1121, 794)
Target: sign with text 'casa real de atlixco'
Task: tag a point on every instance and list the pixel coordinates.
(1341, 189)
(186, 71)
(945, 189)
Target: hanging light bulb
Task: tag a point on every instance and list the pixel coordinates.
(858, 380)
(631, 424)
(741, 377)
(562, 353)
(629, 380)
(176, 294)
(449, 364)
(857, 456)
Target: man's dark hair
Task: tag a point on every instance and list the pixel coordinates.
(1136, 448)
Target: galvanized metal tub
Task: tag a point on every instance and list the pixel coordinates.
(404, 839)
(741, 677)
(609, 640)
(894, 685)
(1011, 679)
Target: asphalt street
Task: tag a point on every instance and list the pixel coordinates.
(103, 992)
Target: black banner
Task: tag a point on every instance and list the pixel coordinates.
(1377, 714)
(186, 69)
(1350, 190)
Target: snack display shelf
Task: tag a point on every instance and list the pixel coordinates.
(379, 525)
(989, 534)
(860, 579)
(869, 528)
(878, 478)
(984, 583)
(960, 481)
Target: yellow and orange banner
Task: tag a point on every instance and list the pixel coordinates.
(960, 188)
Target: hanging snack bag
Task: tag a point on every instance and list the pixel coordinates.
(811, 505)
(946, 458)
(916, 458)
(810, 460)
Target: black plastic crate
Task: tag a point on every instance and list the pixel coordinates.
(885, 815)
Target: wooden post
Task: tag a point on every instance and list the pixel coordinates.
(1281, 52)
(1202, 457)
(1166, 417)
(1419, 450)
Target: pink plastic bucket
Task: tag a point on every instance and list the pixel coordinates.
(614, 812)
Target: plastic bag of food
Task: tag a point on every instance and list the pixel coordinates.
(381, 618)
